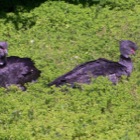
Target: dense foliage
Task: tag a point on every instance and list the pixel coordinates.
(59, 35)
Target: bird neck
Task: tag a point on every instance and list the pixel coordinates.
(127, 63)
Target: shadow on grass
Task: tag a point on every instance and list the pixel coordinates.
(15, 6)
(11, 5)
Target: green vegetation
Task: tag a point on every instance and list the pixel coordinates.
(59, 35)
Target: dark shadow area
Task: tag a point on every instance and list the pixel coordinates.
(11, 5)
(16, 6)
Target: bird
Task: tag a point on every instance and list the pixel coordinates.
(15, 70)
(3, 53)
(84, 73)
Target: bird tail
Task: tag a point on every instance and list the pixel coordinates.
(57, 82)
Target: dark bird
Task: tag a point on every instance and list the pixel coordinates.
(101, 67)
(3, 53)
(16, 70)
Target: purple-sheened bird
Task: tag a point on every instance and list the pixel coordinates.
(101, 67)
(16, 70)
(3, 53)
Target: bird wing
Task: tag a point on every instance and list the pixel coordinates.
(23, 68)
(84, 72)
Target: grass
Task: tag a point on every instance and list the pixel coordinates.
(58, 36)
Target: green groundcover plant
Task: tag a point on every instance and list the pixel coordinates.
(58, 35)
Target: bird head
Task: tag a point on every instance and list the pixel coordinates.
(127, 48)
(3, 52)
